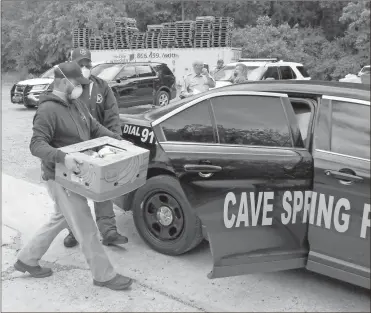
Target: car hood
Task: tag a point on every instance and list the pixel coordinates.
(36, 81)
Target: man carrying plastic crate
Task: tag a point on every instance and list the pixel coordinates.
(102, 104)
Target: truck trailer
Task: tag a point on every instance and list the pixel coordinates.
(179, 60)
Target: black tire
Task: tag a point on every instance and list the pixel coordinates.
(166, 186)
(162, 98)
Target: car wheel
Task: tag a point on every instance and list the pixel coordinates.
(163, 98)
(163, 217)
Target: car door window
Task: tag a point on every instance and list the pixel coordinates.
(191, 125)
(128, 72)
(272, 72)
(287, 72)
(350, 134)
(144, 71)
(251, 120)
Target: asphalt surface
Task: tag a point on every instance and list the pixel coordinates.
(162, 283)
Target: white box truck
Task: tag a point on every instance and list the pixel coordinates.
(179, 60)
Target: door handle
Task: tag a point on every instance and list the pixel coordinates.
(345, 178)
(204, 168)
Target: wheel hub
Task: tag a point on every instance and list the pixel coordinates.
(165, 215)
(163, 100)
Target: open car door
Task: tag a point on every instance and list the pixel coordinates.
(251, 187)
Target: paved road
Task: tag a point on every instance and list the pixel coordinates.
(170, 283)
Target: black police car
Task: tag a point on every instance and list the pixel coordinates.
(137, 84)
(275, 175)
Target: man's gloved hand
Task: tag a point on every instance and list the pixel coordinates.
(72, 162)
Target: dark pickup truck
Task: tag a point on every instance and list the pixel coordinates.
(275, 175)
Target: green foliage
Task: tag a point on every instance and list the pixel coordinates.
(331, 38)
(325, 58)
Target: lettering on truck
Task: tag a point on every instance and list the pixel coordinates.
(330, 214)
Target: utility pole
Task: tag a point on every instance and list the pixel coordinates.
(182, 10)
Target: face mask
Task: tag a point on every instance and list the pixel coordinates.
(76, 91)
(85, 72)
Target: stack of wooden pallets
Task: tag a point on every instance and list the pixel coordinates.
(95, 43)
(108, 40)
(124, 37)
(124, 31)
(80, 37)
(138, 41)
(204, 31)
(168, 35)
(184, 34)
(222, 32)
(153, 36)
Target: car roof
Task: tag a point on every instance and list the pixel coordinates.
(259, 63)
(294, 88)
(306, 87)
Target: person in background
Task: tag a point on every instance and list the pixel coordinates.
(62, 120)
(198, 81)
(102, 104)
(240, 74)
(219, 66)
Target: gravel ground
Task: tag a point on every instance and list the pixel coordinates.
(297, 290)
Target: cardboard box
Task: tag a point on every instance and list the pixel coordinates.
(105, 178)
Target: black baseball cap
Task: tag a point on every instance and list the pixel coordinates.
(70, 70)
(79, 54)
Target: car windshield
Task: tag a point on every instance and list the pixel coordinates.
(303, 71)
(226, 72)
(48, 74)
(106, 71)
(365, 70)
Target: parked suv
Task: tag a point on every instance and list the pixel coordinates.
(261, 69)
(27, 92)
(138, 83)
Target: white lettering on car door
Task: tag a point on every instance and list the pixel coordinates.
(365, 220)
(230, 197)
(267, 207)
(243, 211)
(324, 213)
(341, 228)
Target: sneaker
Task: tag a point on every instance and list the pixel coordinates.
(70, 241)
(114, 238)
(118, 282)
(35, 271)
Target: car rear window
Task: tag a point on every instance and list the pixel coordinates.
(251, 120)
(350, 133)
(163, 69)
(303, 71)
(191, 125)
